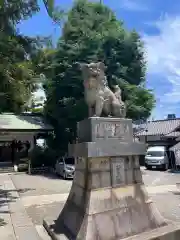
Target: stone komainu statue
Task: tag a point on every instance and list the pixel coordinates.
(98, 96)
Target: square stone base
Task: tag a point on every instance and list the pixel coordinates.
(169, 232)
(109, 213)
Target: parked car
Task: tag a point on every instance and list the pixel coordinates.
(156, 157)
(65, 167)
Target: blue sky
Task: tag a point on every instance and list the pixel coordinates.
(158, 22)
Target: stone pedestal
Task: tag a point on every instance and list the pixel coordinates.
(107, 200)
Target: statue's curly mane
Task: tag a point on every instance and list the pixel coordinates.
(96, 73)
(99, 97)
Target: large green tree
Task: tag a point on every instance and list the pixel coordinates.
(15, 51)
(17, 72)
(93, 33)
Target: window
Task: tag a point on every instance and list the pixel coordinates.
(69, 161)
(155, 153)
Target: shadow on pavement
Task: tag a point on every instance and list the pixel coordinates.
(6, 197)
(177, 193)
(2, 222)
(47, 175)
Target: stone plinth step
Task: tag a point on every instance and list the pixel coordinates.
(42, 232)
(48, 225)
(169, 232)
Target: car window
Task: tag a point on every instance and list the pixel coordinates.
(69, 161)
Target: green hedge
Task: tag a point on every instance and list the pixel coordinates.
(43, 157)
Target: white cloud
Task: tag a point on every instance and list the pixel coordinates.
(133, 5)
(163, 55)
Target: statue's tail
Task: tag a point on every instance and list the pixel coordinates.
(117, 92)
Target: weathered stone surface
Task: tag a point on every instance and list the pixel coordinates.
(118, 171)
(137, 176)
(88, 232)
(99, 97)
(123, 223)
(135, 162)
(104, 226)
(129, 163)
(77, 195)
(98, 164)
(169, 232)
(106, 149)
(103, 200)
(80, 178)
(108, 199)
(129, 176)
(81, 163)
(95, 129)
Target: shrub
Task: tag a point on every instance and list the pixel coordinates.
(42, 157)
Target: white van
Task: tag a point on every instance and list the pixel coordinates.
(156, 157)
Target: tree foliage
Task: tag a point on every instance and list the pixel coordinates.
(15, 70)
(17, 51)
(92, 33)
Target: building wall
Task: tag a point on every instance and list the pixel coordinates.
(22, 136)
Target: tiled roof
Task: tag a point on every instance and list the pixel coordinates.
(172, 134)
(175, 147)
(23, 122)
(159, 127)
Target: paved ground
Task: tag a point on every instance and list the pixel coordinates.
(44, 196)
(15, 223)
(167, 197)
(35, 185)
(155, 177)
